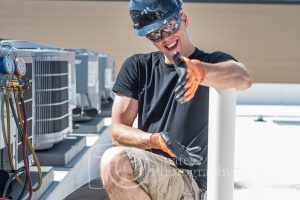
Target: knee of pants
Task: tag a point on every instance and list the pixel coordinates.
(113, 160)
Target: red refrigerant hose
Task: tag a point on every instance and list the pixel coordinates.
(24, 147)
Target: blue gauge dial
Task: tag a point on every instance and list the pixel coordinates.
(9, 65)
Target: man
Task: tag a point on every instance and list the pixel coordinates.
(166, 156)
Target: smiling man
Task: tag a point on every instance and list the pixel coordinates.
(166, 156)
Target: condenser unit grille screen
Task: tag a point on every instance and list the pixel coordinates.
(20, 151)
(29, 133)
(52, 111)
(29, 71)
(28, 107)
(45, 127)
(29, 128)
(28, 93)
(51, 67)
(57, 81)
(51, 96)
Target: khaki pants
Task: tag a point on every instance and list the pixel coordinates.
(161, 179)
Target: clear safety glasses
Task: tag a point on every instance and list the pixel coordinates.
(169, 28)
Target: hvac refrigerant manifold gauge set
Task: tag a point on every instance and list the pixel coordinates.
(12, 69)
(12, 85)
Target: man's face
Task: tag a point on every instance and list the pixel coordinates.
(172, 42)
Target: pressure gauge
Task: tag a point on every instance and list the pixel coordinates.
(7, 65)
(20, 67)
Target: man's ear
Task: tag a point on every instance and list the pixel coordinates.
(184, 19)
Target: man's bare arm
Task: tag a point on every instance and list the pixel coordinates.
(124, 112)
(228, 74)
(223, 75)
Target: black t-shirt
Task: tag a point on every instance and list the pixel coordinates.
(148, 79)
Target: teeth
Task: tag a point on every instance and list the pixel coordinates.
(172, 45)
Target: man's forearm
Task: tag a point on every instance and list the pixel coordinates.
(129, 136)
(229, 74)
(223, 75)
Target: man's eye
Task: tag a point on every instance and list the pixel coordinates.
(156, 32)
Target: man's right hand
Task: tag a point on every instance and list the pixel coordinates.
(164, 141)
(157, 142)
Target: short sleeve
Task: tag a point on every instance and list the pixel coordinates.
(127, 82)
(218, 56)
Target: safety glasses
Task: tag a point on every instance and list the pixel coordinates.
(169, 28)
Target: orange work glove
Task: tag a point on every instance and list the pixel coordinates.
(188, 155)
(165, 148)
(191, 73)
(157, 142)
